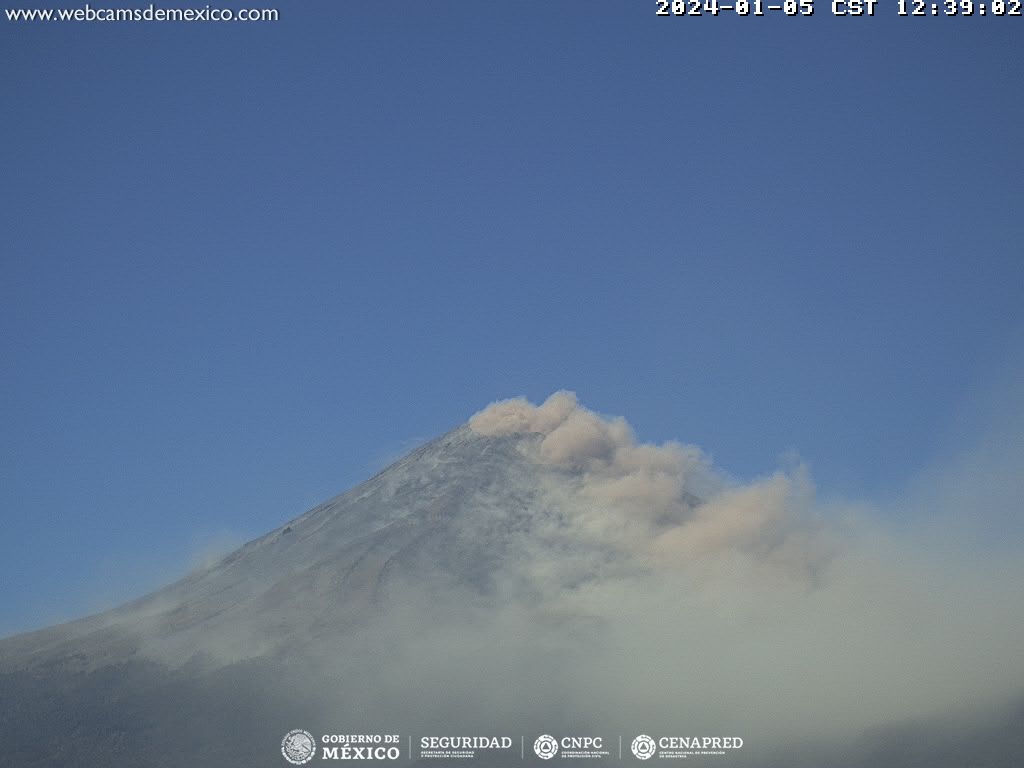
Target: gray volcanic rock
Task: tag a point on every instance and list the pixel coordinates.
(214, 668)
(449, 507)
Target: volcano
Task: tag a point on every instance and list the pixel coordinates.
(534, 570)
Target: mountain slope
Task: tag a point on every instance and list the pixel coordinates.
(222, 650)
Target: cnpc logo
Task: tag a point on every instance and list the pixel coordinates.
(545, 747)
(548, 746)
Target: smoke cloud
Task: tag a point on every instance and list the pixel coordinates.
(810, 628)
(663, 501)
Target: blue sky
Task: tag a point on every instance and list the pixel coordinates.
(244, 265)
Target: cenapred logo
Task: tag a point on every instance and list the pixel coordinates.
(298, 746)
(546, 747)
(643, 747)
